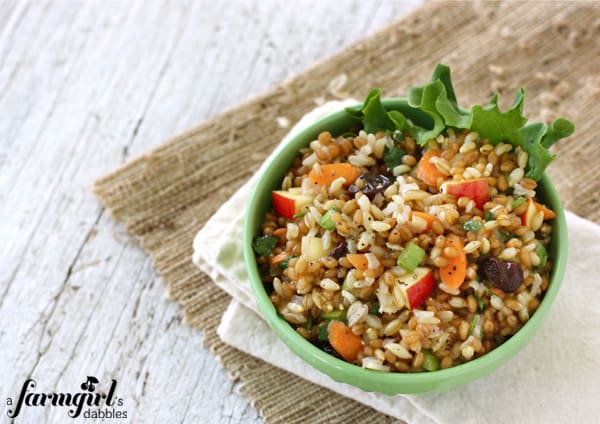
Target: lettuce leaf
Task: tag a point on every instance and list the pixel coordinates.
(438, 100)
(509, 127)
(559, 128)
(498, 126)
(373, 115)
(538, 156)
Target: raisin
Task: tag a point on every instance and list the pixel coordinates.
(505, 275)
(374, 183)
(327, 348)
(339, 250)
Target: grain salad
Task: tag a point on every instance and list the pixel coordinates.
(405, 247)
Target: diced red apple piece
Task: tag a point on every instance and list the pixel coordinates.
(476, 189)
(312, 248)
(416, 286)
(534, 208)
(289, 203)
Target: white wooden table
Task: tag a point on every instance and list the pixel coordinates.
(84, 87)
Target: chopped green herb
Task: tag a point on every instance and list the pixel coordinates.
(430, 361)
(336, 315)
(299, 215)
(489, 216)
(480, 304)
(393, 156)
(322, 333)
(398, 136)
(374, 310)
(517, 202)
(472, 226)
(309, 322)
(263, 245)
(505, 235)
(326, 221)
(411, 256)
(474, 323)
(540, 250)
(284, 264)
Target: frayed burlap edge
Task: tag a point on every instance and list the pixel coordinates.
(166, 196)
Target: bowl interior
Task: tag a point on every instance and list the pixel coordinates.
(389, 383)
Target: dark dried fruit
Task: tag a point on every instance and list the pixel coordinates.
(339, 250)
(327, 348)
(505, 275)
(374, 183)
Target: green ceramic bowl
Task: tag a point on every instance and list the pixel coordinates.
(369, 380)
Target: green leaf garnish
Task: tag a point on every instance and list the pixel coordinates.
(539, 156)
(437, 100)
(559, 128)
(498, 126)
(372, 114)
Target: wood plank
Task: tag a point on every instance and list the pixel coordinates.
(83, 88)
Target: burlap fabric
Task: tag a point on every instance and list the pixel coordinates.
(165, 196)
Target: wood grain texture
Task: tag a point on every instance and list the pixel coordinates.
(83, 88)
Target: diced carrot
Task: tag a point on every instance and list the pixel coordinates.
(427, 171)
(279, 258)
(344, 341)
(332, 171)
(358, 260)
(280, 232)
(427, 217)
(548, 214)
(453, 274)
(498, 292)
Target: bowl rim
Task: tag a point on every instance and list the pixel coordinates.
(392, 382)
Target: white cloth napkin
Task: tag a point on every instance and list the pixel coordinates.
(555, 379)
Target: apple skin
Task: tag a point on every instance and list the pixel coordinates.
(417, 286)
(288, 204)
(476, 189)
